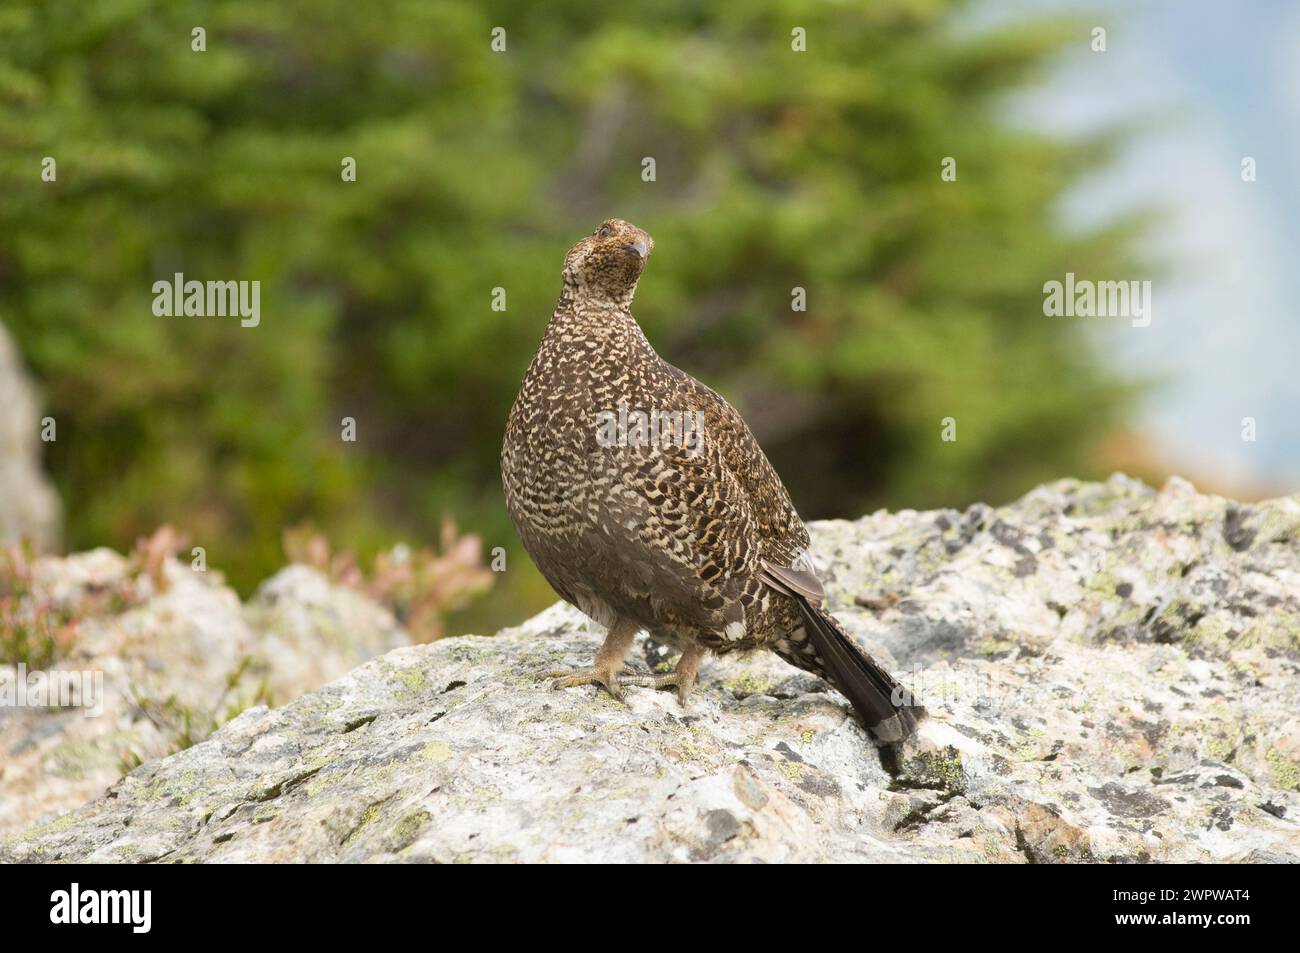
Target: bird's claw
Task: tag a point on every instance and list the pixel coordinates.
(670, 680)
(612, 680)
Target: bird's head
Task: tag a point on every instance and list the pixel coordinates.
(607, 263)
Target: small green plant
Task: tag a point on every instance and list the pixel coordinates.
(185, 726)
(37, 633)
(32, 631)
(31, 639)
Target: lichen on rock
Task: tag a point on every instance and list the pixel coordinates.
(1111, 673)
(176, 656)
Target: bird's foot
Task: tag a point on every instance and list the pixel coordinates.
(611, 678)
(682, 681)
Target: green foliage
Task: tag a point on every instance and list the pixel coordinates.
(477, 169)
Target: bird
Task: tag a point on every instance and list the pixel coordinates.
(645, 501)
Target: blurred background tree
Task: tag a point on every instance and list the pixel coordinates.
(475, 170)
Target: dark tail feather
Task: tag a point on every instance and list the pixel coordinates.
(886, 707)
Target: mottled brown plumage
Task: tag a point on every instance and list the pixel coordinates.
(691, 535)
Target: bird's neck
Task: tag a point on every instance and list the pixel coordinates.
(582, 315)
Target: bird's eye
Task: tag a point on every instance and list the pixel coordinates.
(604, 231)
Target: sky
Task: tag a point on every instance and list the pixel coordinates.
(1208, 82)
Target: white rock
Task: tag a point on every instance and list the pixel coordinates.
(1124, 689)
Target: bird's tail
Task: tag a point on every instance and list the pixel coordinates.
(887, 708)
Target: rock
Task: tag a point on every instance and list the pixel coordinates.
(1111, 673)
(29, 508)
(172, 662)
(310, 630)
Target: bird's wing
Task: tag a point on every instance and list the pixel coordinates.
(784, 535)
(685, 532)
(675, 535)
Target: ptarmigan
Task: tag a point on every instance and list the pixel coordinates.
(646, 502)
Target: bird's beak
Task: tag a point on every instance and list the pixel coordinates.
(637, 248)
